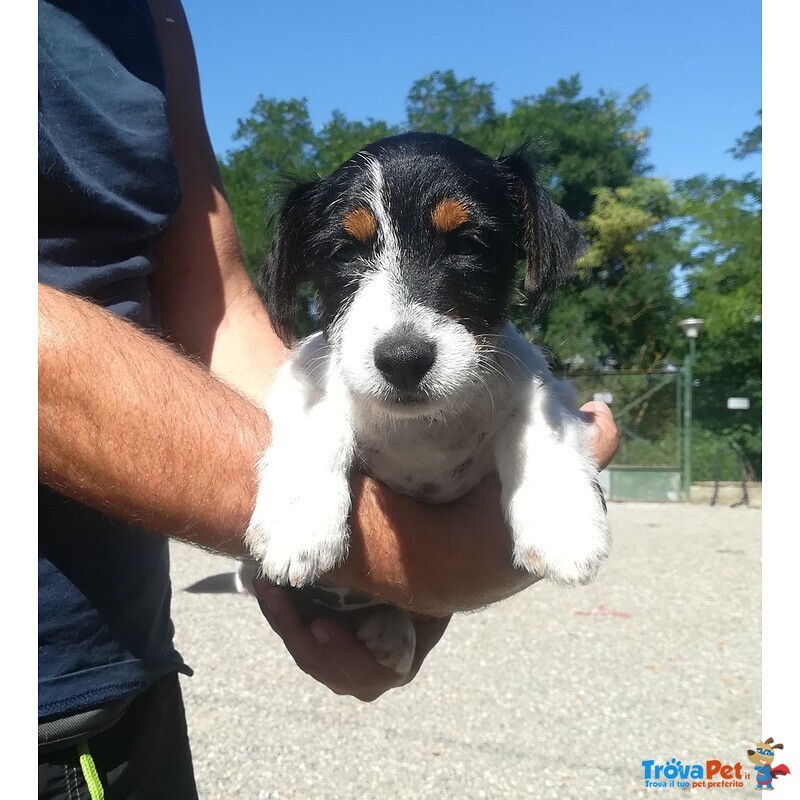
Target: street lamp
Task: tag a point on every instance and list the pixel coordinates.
(691, 328)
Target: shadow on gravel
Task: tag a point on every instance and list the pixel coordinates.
(224, 583)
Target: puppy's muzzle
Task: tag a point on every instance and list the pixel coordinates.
(404, 359)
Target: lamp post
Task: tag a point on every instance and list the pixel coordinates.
(691, 328)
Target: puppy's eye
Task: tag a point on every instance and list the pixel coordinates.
(348, 251)
(465, 244)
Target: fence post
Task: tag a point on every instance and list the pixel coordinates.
(679, 380)
(687, 419)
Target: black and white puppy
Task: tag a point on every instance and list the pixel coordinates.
(417, 377)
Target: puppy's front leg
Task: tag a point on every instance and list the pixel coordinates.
(550, 492)
(299, 526)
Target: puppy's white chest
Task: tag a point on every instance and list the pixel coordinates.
(435, 461)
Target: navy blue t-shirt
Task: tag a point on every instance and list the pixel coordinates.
(108, 187)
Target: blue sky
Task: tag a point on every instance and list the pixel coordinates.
(701, 61)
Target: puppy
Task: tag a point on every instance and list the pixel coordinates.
(417, 377)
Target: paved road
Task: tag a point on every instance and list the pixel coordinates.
(532, 698)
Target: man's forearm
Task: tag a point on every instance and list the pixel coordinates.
(450, 558)
(129, 426)
(207, 303)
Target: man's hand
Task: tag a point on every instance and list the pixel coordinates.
(605, 436)
(334, 656)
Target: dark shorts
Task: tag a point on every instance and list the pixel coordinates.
(143, 756)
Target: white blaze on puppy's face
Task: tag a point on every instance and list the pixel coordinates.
(380, 307)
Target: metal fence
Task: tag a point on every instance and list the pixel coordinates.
(726, 441)
(648, 410)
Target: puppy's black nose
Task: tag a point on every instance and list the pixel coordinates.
(404, 359)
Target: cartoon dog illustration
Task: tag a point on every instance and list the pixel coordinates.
(762, 757)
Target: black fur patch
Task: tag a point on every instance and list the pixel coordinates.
(467, 272)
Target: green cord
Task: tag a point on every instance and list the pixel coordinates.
(90, 772)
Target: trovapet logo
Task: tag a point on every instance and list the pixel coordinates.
(713, 773)
(708, 774)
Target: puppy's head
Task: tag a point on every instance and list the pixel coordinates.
(412, 247)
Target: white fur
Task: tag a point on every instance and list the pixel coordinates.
(299, 526)
(378, 308)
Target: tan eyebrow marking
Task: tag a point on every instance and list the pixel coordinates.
(360, 223)
(448, 215)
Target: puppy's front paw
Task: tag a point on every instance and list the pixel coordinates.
(564, 542)
(299, 527)
(389, 634)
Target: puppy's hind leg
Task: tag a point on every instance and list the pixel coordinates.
(390, 635)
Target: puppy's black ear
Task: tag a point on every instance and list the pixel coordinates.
(285, 267)
(550, 240)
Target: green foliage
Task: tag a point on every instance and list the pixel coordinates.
(582, 143)
(724, 270)
(749, 142)
(440, 103)
(339, 138)
(274, 141)
(621, 217)
(723, 279)
(622, 311)
(716, 456)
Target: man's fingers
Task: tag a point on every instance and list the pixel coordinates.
(605, 437)
(325, 650)
(285, 620)
(354, 659)
(595, 411)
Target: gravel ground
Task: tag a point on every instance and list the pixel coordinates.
(527, 699)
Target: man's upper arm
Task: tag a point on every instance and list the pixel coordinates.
(207, 302)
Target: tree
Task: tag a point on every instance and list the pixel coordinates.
(724, 288)
(749, 142)
(440, 103)
(581, 143)
(339, 138)
(724, 274)
(275, 140)
(622, 311)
